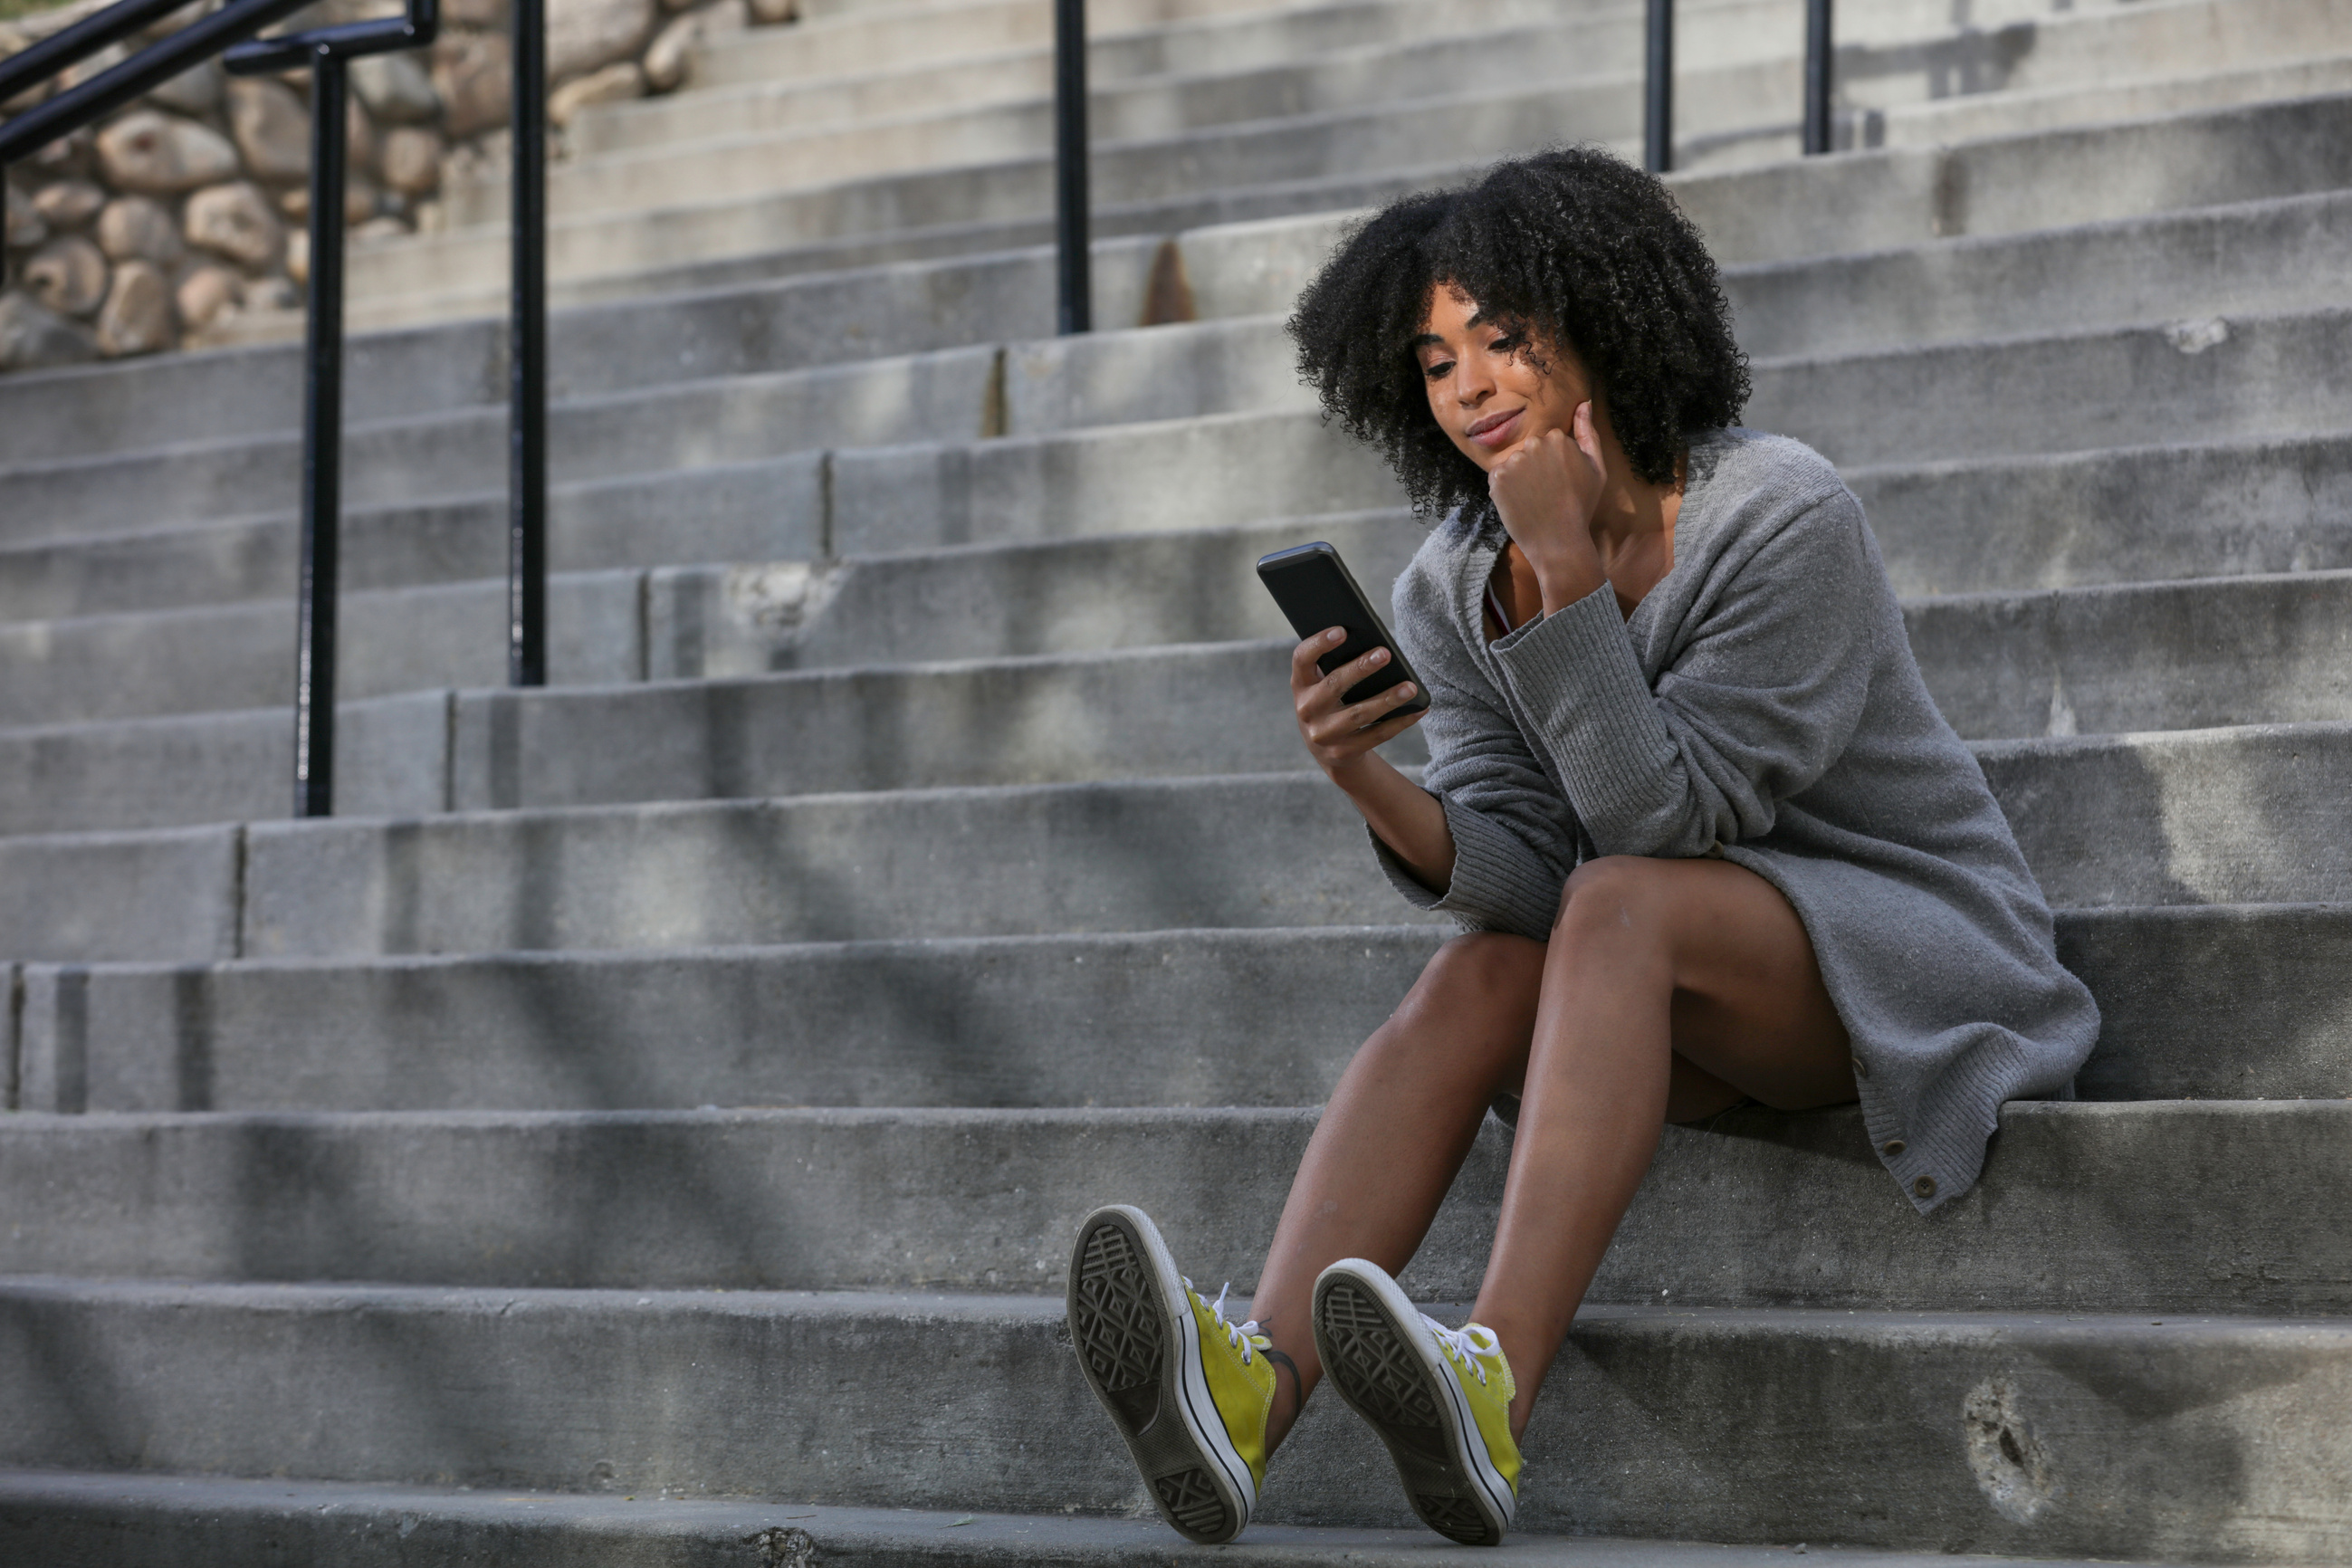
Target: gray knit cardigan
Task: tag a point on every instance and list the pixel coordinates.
(1762, 703)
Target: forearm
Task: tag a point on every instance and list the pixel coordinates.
(1403, 815)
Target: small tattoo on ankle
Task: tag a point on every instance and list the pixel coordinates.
(1283, 1361)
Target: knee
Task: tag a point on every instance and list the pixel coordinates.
(1483, 967)
(1617, 899)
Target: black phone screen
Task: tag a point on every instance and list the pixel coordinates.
(1317, 592)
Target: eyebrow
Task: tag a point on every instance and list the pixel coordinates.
(1425, 340)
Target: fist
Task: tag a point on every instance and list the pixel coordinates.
(1546, 489)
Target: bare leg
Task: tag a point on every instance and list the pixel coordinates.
(1650, 960)
(1396, 1130)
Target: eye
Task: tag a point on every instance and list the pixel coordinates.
(1438, 371)
(1508, 344)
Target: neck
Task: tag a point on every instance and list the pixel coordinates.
(1632, 509)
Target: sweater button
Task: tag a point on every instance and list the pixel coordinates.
(1860, 1068)
(1894, 1146)
(1925, 1186)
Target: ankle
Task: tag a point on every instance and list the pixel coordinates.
(1289, 1400)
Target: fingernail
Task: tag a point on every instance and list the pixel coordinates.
(1406, 688)
(1380, 656)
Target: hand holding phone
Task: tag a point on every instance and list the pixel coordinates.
(1351, 688)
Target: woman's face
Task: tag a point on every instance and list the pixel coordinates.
(1486, 390)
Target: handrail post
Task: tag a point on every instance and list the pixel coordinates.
(527, 357)
(1658, 91)
(322, 435)
(1819, 58)
(1077, 306)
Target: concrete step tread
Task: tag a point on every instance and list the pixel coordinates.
(2158, 1424)
(1992, 209)
(2101, 660)
(2232, 816)
(1758, 1210)
(1232, 381)
(2110, 310)
(2213, 1001)
(2049, 34)
(150, 1520)
(37, 391)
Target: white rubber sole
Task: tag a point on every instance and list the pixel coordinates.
(1139, 1348)
(1380, 1358)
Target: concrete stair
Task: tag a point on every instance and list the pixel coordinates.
(646, 1126)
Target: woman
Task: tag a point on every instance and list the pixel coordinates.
(1707, 835)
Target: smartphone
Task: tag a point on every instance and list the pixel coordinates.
(1317, 592)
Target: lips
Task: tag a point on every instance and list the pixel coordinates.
(1495, 429)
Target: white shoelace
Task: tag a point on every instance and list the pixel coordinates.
(1465, 1344)
(1244, 1336)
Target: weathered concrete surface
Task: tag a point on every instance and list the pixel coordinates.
(2195, 1439)
(168, 893)
(2109, 660)
(1759, 1210)
(2217, 1003)
(769, 509)
(2204, 817)
(241, 656)
(72, 1519)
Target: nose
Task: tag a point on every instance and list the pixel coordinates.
(1473, 384)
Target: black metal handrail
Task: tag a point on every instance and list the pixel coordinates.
(1075, 306)
(1819, 61)
(1658, 84)
(328, 51)
(158, 63)
(527, 354)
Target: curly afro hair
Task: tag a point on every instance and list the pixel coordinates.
(1586, 250)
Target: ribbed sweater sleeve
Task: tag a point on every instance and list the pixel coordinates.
(1512, 829)
(1760, 697)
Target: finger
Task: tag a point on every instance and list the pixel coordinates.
(1372, 710)
(1357, 668)
(1304, 672)
(1588, 436)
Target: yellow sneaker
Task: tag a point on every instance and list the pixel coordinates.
(1439, 1397)
(1188, 1390)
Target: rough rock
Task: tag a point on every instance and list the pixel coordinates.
(26, 227)
(614, 84)
(667, 61)
(382, 226)
(272, 127)
(584, 35)
(34, 338)
(272, 294)
(205, 292)
(395, 89)
(159, 154)
(68, 155)
(412, 160)
(234, 221)
(66, 276)
(492, 15)
(93, 67)
(196, 90)
(140, 229)
(68, 203)
(298, 257)
(137, 317)
(360, 201)
(359, 135)
(473, 72)
(769, 13)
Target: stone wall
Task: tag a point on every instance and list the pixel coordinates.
(156, 229)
